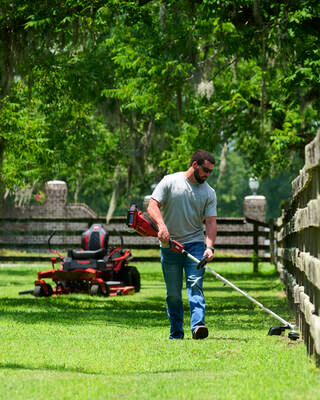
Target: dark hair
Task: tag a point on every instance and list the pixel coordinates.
(200, 156)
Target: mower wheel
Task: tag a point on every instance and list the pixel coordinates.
(95, 290)
(38, 291)
(50, 290)
(131, 277)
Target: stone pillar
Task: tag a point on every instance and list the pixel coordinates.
(56, 198)
(146, 201)
(255, 207)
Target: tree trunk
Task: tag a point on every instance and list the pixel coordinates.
(115, 193)
(223, 162)
(2, 188)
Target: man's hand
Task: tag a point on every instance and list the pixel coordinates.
(163, 234)
(209, 254)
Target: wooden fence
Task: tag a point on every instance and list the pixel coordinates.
(298, 254)
(31, 235)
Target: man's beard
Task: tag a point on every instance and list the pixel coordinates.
(197, 176)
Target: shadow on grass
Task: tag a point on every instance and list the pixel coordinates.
(241, 277)
(229, 313)
(71, 311)
(246, 288)
(225, 309)
(49, 368)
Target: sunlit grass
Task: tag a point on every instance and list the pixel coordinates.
(82, 347)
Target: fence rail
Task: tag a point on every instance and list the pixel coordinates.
(31, 234)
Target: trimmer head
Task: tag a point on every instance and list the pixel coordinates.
(293, 335)
(278, 330)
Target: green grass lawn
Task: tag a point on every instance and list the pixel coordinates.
(82, 347)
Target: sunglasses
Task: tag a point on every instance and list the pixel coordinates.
(206, 170)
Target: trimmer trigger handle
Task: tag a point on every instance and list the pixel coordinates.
(202, 262)
(176, 246)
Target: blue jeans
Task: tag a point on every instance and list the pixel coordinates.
(173, 265)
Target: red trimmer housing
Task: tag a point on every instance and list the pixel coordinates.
(142, 225)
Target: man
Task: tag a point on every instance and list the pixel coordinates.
(179, 205)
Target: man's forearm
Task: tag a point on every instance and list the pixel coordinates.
(211, 231)
(155, 213)
(156, 217)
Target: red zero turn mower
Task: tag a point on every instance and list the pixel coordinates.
(96, 269)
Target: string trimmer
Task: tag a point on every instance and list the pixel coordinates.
(142, 225)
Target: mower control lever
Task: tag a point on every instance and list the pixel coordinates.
(50, 249)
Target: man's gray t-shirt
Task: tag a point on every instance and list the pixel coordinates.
(184, 206)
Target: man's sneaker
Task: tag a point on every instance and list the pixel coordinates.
(201, 332)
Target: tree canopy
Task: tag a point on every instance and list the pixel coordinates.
(112, 95)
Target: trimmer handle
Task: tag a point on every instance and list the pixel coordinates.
(202, 262)
(176, 246)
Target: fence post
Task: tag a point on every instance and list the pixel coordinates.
(255, 248)
(271, 240)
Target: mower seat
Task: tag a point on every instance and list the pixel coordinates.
(94, 243)
(94, 238)
(87, 254)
